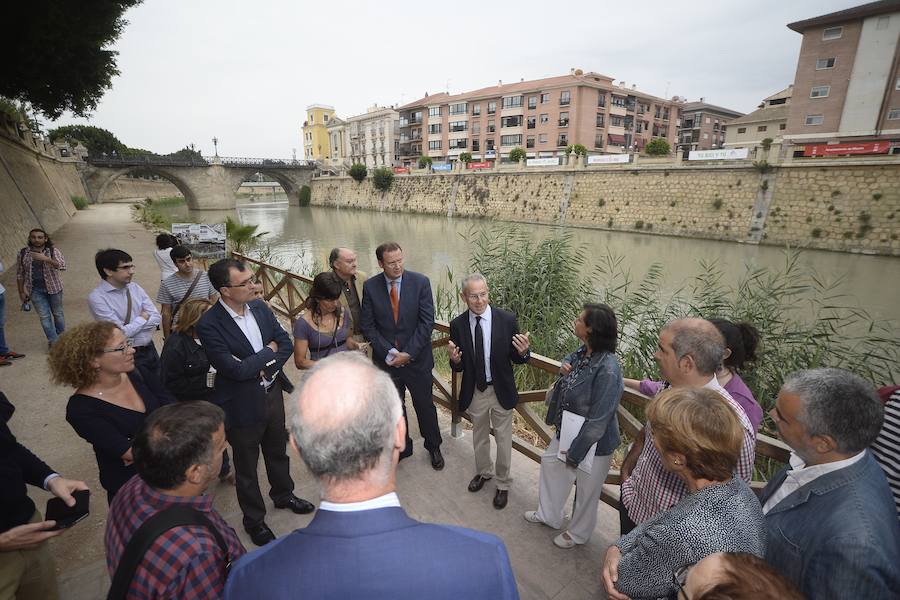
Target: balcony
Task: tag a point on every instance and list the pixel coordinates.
(562, 142)
(563, 122)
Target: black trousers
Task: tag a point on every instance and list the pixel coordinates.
(419, 386)
(271, 437)
(625, 522)
(146, 358)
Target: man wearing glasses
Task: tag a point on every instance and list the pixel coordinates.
(248, 348)
(122, 301)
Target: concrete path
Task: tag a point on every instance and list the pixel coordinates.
(542, 570)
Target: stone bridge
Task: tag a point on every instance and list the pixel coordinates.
(208, 183)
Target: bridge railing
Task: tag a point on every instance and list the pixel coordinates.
(275, 163)
(170, 161)
(286, 292)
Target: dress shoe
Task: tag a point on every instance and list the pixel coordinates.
(260, 534)
(298, 505)
(407, 452)
(437, 459)
(500, 499)
(477, 482)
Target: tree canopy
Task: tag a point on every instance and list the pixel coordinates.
(96, 139)
(61, 59)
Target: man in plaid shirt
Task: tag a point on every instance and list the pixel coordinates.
(689, 353)
(37, 276)
(178, 454)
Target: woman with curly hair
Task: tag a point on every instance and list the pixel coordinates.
(111, 397)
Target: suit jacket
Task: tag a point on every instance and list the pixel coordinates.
(837, 536)
(357, 284)
(503, 326)
(379, 554)
(237, 389)
(412, 331)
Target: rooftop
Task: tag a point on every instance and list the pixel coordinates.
(707, 107)
(851, 14)
(769, 113)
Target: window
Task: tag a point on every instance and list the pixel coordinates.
(762, 128)
(832, 33)
(820, 91)
(601, 99)
(782, 126)
(490, 127)
(824, 63)
(532, 102)
(707, 120)
(489, 144)
(542, 138)
(434, 111)
(814, 119)
(616, 121)
(476, 110)
(435, 145)
(563, 119)
(545, 98)
(545, 118)
(476, 146)
(562, 140)
(457, 144)
(893, 114)
(515, 121)
(882, 22)
(513, 102)
(529, 141)
(532, 122)
(459, 109)
(599, 119)
(897, 85)
(510, 140)
(456, 126)
(476, 128)
(598, 141)
(434, 128)
(618, 101)
(325, 118)
(492, 107)
(705, 136)
(742, 130)
(564, 98)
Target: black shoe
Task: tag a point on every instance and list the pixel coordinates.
(407, 452)
(260, 534)
(437, 459)
(477, 482)
(500, 499)
(11, 355)
(298, 505)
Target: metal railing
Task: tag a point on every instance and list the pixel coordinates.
(286, 292)
(171, 161)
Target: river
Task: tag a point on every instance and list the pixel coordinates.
(302, 237)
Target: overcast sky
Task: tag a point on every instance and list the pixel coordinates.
(245, 71)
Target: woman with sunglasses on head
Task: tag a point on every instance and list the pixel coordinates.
(322, 328)
(111, 397)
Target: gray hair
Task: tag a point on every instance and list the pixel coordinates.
(346, 433)
(838, 404)
(701, 340)
(470, 278)
(336, 254)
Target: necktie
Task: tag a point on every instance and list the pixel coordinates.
(480, 375)
(395, 301)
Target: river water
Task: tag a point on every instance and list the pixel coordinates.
(303, 237)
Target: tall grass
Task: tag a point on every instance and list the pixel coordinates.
(151, 213)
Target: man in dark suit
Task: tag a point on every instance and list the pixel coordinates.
(484, 343)
(397, 317)
(361, 543)
(247, 347)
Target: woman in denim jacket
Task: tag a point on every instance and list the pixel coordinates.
(590, 385)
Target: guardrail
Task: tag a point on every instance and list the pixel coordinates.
(227, 161)
(286, 292)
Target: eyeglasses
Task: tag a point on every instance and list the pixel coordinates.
(679, 577)
(248, 282)
(123, 348)
(125, 268)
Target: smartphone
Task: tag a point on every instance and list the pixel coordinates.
(66, 516)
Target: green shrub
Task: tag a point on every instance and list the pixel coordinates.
(578, 149)
(762, 166)
(305, 195)
(516, 154)
(816, 233)
(382, 178)
(657, 147)
(358, 172)
(639, 224)
(425, 162)
(766, 143)
(465, 157)
(717, 203)
(80, 202)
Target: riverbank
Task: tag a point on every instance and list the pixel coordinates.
(843, 206)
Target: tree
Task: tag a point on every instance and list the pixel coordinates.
(97, 140)
(766, 143)
(241, 238)
(188, 153)
(425, 162)
(382, 178)
(358, 172)
(305, 195)
(657, 147)
(516, 154)
(61, 61)
(578, 149)
(465, 157)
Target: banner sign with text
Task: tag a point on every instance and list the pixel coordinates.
(401, 169)
(441, 167)
(723, 154)
(543, 162)
(480, 165)
(490, 154)
(605, 159)
(858, 148)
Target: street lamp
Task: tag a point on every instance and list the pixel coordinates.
(215, 142)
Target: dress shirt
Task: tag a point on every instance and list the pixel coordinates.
(109, 303)
(247, 324)
(800, 475)
(393, 351)
(485, 338)
(387, 501)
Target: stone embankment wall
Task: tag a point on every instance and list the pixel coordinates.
(130, 188)
(851, 206)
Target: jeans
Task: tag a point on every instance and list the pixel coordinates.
(3, 347)
(49, 308)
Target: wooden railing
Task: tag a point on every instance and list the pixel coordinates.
(286, 292)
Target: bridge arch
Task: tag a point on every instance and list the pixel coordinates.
(110, 175)
(289, 186)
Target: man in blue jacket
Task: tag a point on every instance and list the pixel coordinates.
(248, 347)
(832, 527)
(349, 430)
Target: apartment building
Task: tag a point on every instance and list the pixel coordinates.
(847, 84)
(543, 116)
(337, 149)
(315, 134)
(702, 126)
(373, 137)
(768, 121)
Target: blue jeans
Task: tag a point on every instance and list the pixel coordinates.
(49, 308)
(3, 347)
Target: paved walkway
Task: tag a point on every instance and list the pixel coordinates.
(542, 570)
